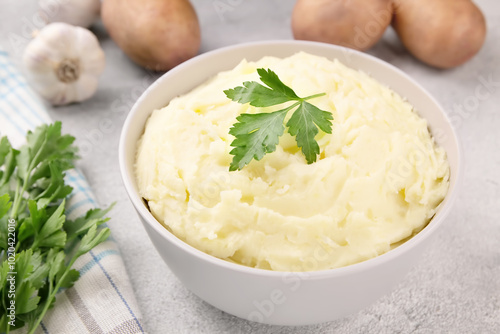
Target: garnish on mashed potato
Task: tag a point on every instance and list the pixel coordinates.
(378, 180)
(258, 134)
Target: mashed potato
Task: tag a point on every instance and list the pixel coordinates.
(378, 180)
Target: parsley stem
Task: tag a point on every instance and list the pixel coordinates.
(313, 96)
(19, 194)
(52, 293)
(7, 329)
(17, 200)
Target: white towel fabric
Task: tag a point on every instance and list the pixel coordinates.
(102, 300)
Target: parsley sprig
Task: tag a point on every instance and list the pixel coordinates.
(258, 134)
(33, 227)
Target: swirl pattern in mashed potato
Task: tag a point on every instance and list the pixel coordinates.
(378, 180)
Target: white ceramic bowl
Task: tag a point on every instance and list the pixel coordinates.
(284, 298)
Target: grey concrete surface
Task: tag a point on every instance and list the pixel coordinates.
(455, 289)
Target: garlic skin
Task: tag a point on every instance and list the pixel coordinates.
(63, 63)
(80, 13)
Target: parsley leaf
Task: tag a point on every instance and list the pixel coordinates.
(260, 96)
(304, 125)
(4, 149)
(258, 134)
(82, 224)
(4, 204)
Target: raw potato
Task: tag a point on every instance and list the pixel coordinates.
(357, 24)
(441, 33)
(156, 34)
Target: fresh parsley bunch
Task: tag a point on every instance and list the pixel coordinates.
(38, 245)
(258, 134)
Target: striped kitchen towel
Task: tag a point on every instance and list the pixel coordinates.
(102, 300)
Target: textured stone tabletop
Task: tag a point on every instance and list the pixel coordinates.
(455, 289)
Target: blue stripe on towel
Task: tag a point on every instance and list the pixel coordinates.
(27, 120)
(76, 205)
(96, 259)
(76, 182)
(31, 102)
(44, 328)
(18, 128)
(117, 291)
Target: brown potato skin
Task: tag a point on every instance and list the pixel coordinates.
(441, 33)
(357, 24)
(156, 34)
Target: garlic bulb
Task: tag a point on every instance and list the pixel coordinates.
(80, 13)
(63, 63)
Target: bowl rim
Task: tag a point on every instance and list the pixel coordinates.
(435, 222)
